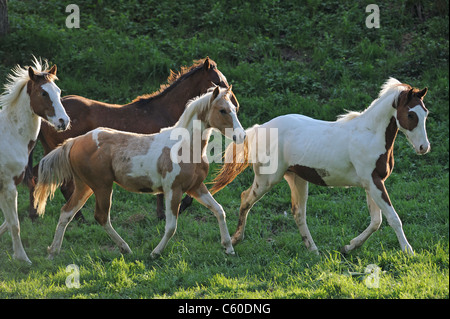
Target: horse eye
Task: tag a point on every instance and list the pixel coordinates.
(410, 116)
(222, 111)
(44, 93)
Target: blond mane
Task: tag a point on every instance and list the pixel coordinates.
(391, 86)
(18, 78)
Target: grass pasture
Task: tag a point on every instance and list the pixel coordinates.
(316, 58)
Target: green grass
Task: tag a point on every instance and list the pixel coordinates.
(316, 59)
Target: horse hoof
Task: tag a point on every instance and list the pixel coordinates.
(125, 251)
(24, 259)
(154, 255)
(344, 250)
(230, 251)
(236, 240)
(408, 250)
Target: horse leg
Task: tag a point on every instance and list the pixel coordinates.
(77, 200)
(172, 199)
(185, 203)
(160, 206)
(103, 198)
(381, 198)
(262, 183)
(8, 204)
(3, 228)
(299, 197)
(375, 222)
(204, 197)
(31, 178)
(67, 190)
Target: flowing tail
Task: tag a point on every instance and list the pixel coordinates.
(54, 170)
(236, 160)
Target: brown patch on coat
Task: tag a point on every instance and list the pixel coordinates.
(19, 179)
(164, 163)
(309, 174)
(407, 100)
(385, 163)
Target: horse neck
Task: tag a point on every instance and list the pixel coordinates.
(22, 119)
(194, 128)
(174, 98)
(377, 117)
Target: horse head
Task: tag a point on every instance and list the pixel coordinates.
(222, 114)
(411, 117)
(45, 98)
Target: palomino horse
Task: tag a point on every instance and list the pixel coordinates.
(141, 163)
(355, 150)
(146, 114)
(29, 96)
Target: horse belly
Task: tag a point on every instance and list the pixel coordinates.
(141, 184)
(326, 177)
(342, 179)
(321, 164)
(137, 173)
(13, 160)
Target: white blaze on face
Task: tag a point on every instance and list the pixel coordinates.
(238, 130)
(60, 120)
(418, 136)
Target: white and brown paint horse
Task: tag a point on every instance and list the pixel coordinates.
(141, 163)
(355, 150)
(29, 96)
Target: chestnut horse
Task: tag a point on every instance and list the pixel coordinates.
(30, 95)
(355, 150)
(141, 163)
(146, 114)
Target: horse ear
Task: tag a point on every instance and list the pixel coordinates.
(421, 94)
(409, 96)
(215, 93)
(53, 70)
(206, 64)
(229, 88)
(31, 73)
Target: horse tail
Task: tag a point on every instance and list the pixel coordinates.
(54, 170)
(235, 162)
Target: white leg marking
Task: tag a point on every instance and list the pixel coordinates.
(375, 222)
(8, 204)
(208, 201)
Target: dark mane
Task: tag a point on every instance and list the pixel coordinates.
(172, 81)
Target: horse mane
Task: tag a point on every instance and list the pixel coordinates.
(19, 77)
(197, 105)
(173, 79)
(391, 86)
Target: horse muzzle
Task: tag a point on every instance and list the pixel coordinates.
(239, 136)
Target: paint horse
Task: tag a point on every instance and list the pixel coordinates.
(146, 114)
(30, 95)
(355, 150)
(141, 163)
